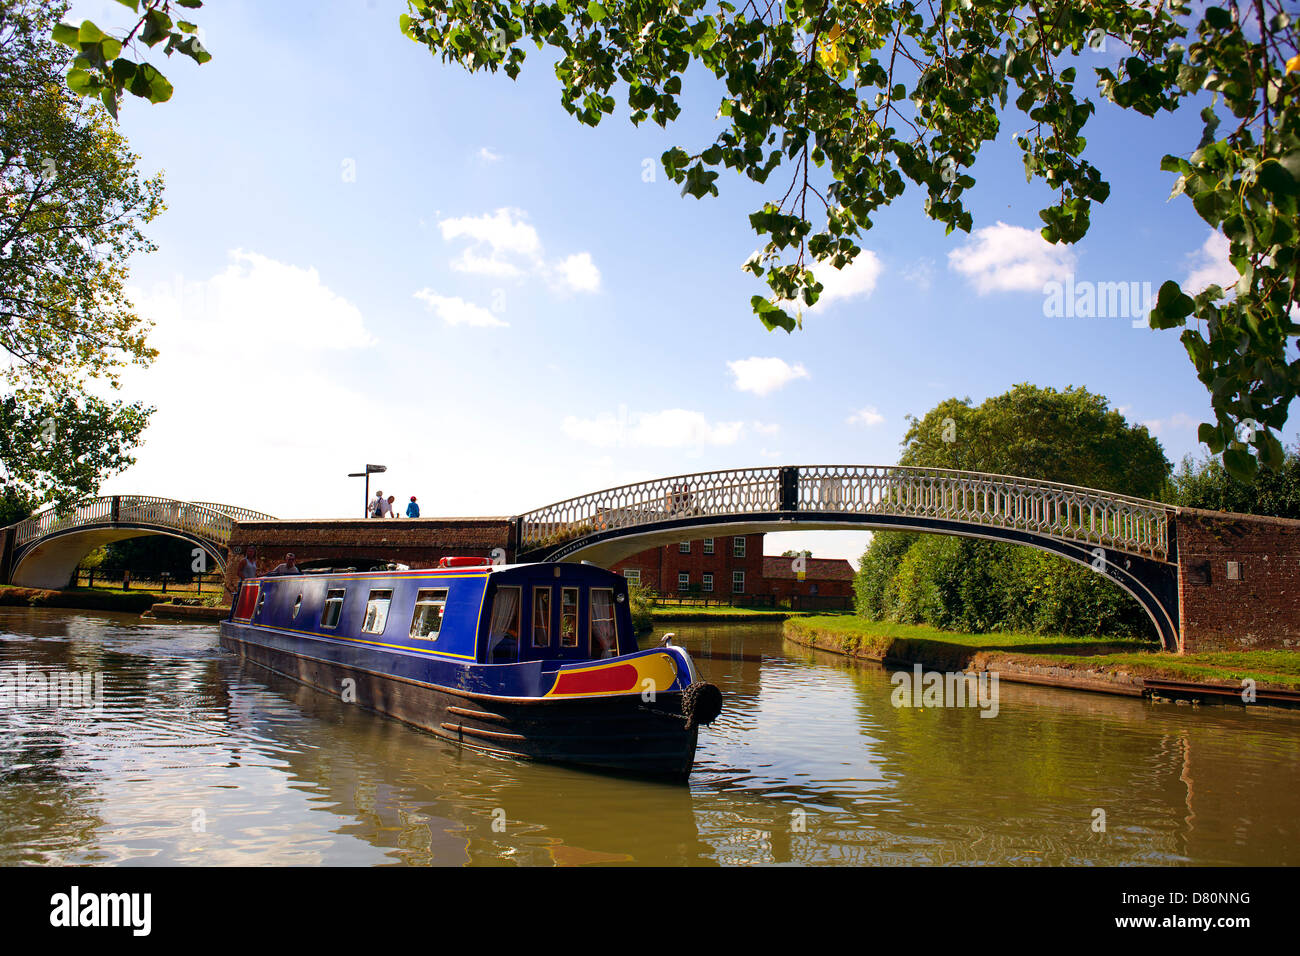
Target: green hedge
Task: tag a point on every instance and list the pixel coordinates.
(974, 586)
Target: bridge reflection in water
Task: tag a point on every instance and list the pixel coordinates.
(197, 760)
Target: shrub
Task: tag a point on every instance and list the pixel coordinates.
(974, 586)
(640, 600)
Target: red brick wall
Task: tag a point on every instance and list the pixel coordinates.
(823, 578)
(1261, 609)
(417, 542)
(659, 567)
(825, 588)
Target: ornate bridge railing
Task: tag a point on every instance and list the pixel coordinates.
(206, 520)
(1083, 515)
(239, 514)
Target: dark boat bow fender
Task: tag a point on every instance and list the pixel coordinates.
(701, 703)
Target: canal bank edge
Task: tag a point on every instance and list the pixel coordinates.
(143, 603)
(81, 599)
(149, 604)
(187, 612)
(946, 652)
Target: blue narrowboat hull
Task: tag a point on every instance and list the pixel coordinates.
(504, 669)
(622, 733)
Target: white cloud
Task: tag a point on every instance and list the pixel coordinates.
(866, 416)
(1210, 266)
(857, 279)
(764, 375)
(579, 273)
(504, 232)
(487, 155)
(475, 264)
(1003, 258)
(456, 311)
(276, 303)
(505, 245)
(766, 428)
(670, 428)
(230, 341)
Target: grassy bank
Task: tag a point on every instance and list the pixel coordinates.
(86, 599)
(1118, 657)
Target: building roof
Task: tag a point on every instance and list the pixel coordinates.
(818, 569)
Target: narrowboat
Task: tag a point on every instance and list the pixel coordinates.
(534, 661)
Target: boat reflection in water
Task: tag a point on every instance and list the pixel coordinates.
(535, 661)
(420, 801)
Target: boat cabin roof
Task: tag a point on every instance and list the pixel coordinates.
(488, 614)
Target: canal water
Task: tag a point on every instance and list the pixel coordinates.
(189, 757)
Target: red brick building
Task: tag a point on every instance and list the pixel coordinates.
(720, 567)
(732, 568)
(822, 577)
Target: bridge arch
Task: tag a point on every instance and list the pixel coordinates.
(47, 547)
(52, 561)
(1128, 539)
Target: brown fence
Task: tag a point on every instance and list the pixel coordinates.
(703, 600)
(164, 582)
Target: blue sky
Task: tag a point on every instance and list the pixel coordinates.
(369, 256)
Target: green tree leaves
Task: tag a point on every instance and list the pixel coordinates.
(1208, 484)
(71, 206)
(1070, 436)
(58, 445)
(857, 98)
(102, 72)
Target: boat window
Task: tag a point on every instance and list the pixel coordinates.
(503, 630)
(426, 622)
(377, 612)
(261, 603)
(604, 636)
(568, 617)
(297, 606)
(541, 617)
(333, 608)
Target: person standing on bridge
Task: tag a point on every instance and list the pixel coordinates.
(376, 507)
(388, 507)
(413, 509)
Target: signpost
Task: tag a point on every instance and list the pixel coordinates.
(370, 470)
